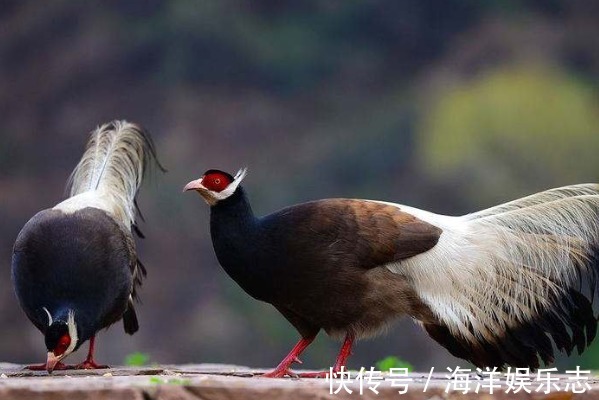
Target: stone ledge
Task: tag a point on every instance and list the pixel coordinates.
(216, 382)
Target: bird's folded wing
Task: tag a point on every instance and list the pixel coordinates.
(355, 233)
(506, 282)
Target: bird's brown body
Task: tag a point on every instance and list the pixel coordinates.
(495, 287)
(337, 249)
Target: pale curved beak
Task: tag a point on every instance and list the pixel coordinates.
(52, 361)
(194, 185)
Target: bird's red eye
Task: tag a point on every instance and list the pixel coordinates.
(216, 181)
(63, 344)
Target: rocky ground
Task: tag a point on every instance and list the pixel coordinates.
(215, 382)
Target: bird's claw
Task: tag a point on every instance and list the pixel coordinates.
(90, 364)
(321, 374)
(280, 373)
(42, 367)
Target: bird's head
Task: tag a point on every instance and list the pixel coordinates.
(216, 185)
(61, 339)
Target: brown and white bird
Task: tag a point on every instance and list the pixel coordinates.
(503, 286)
(74, 267)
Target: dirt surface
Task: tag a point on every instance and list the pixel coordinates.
(216, 382)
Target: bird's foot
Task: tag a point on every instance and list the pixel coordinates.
(42, 367)
(283, 370)
(321, 374)
(280, 373)
(90, 364)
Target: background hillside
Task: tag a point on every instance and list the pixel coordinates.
(451, 106)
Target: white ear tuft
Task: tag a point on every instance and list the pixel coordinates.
(241, 174)
(49, 316)
(72, 326)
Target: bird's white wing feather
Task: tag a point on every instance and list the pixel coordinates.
(512, 267)
(547, 196)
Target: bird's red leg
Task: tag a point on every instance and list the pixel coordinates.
(89, 362)
(344, 353)
(283, 368)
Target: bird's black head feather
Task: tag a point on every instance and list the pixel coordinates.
(54, 332)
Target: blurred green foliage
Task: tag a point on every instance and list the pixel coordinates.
(285, 46)
(172, 381)
(137, 359)
(389, 362)
(509, 126)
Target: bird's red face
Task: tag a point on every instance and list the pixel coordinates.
(216, 181)
(215, 185)
(63, 344)
(58, 351)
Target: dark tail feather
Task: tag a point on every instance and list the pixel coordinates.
(137, 231)
(130, 319)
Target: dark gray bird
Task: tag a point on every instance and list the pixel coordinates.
(75, 267)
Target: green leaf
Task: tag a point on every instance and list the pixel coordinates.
(156, 380)
(136, 359)
(180, 382)
(387, 363)
(173, 381)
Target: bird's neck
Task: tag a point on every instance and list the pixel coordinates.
(235, 236)
(233, 227)
(234, 212)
